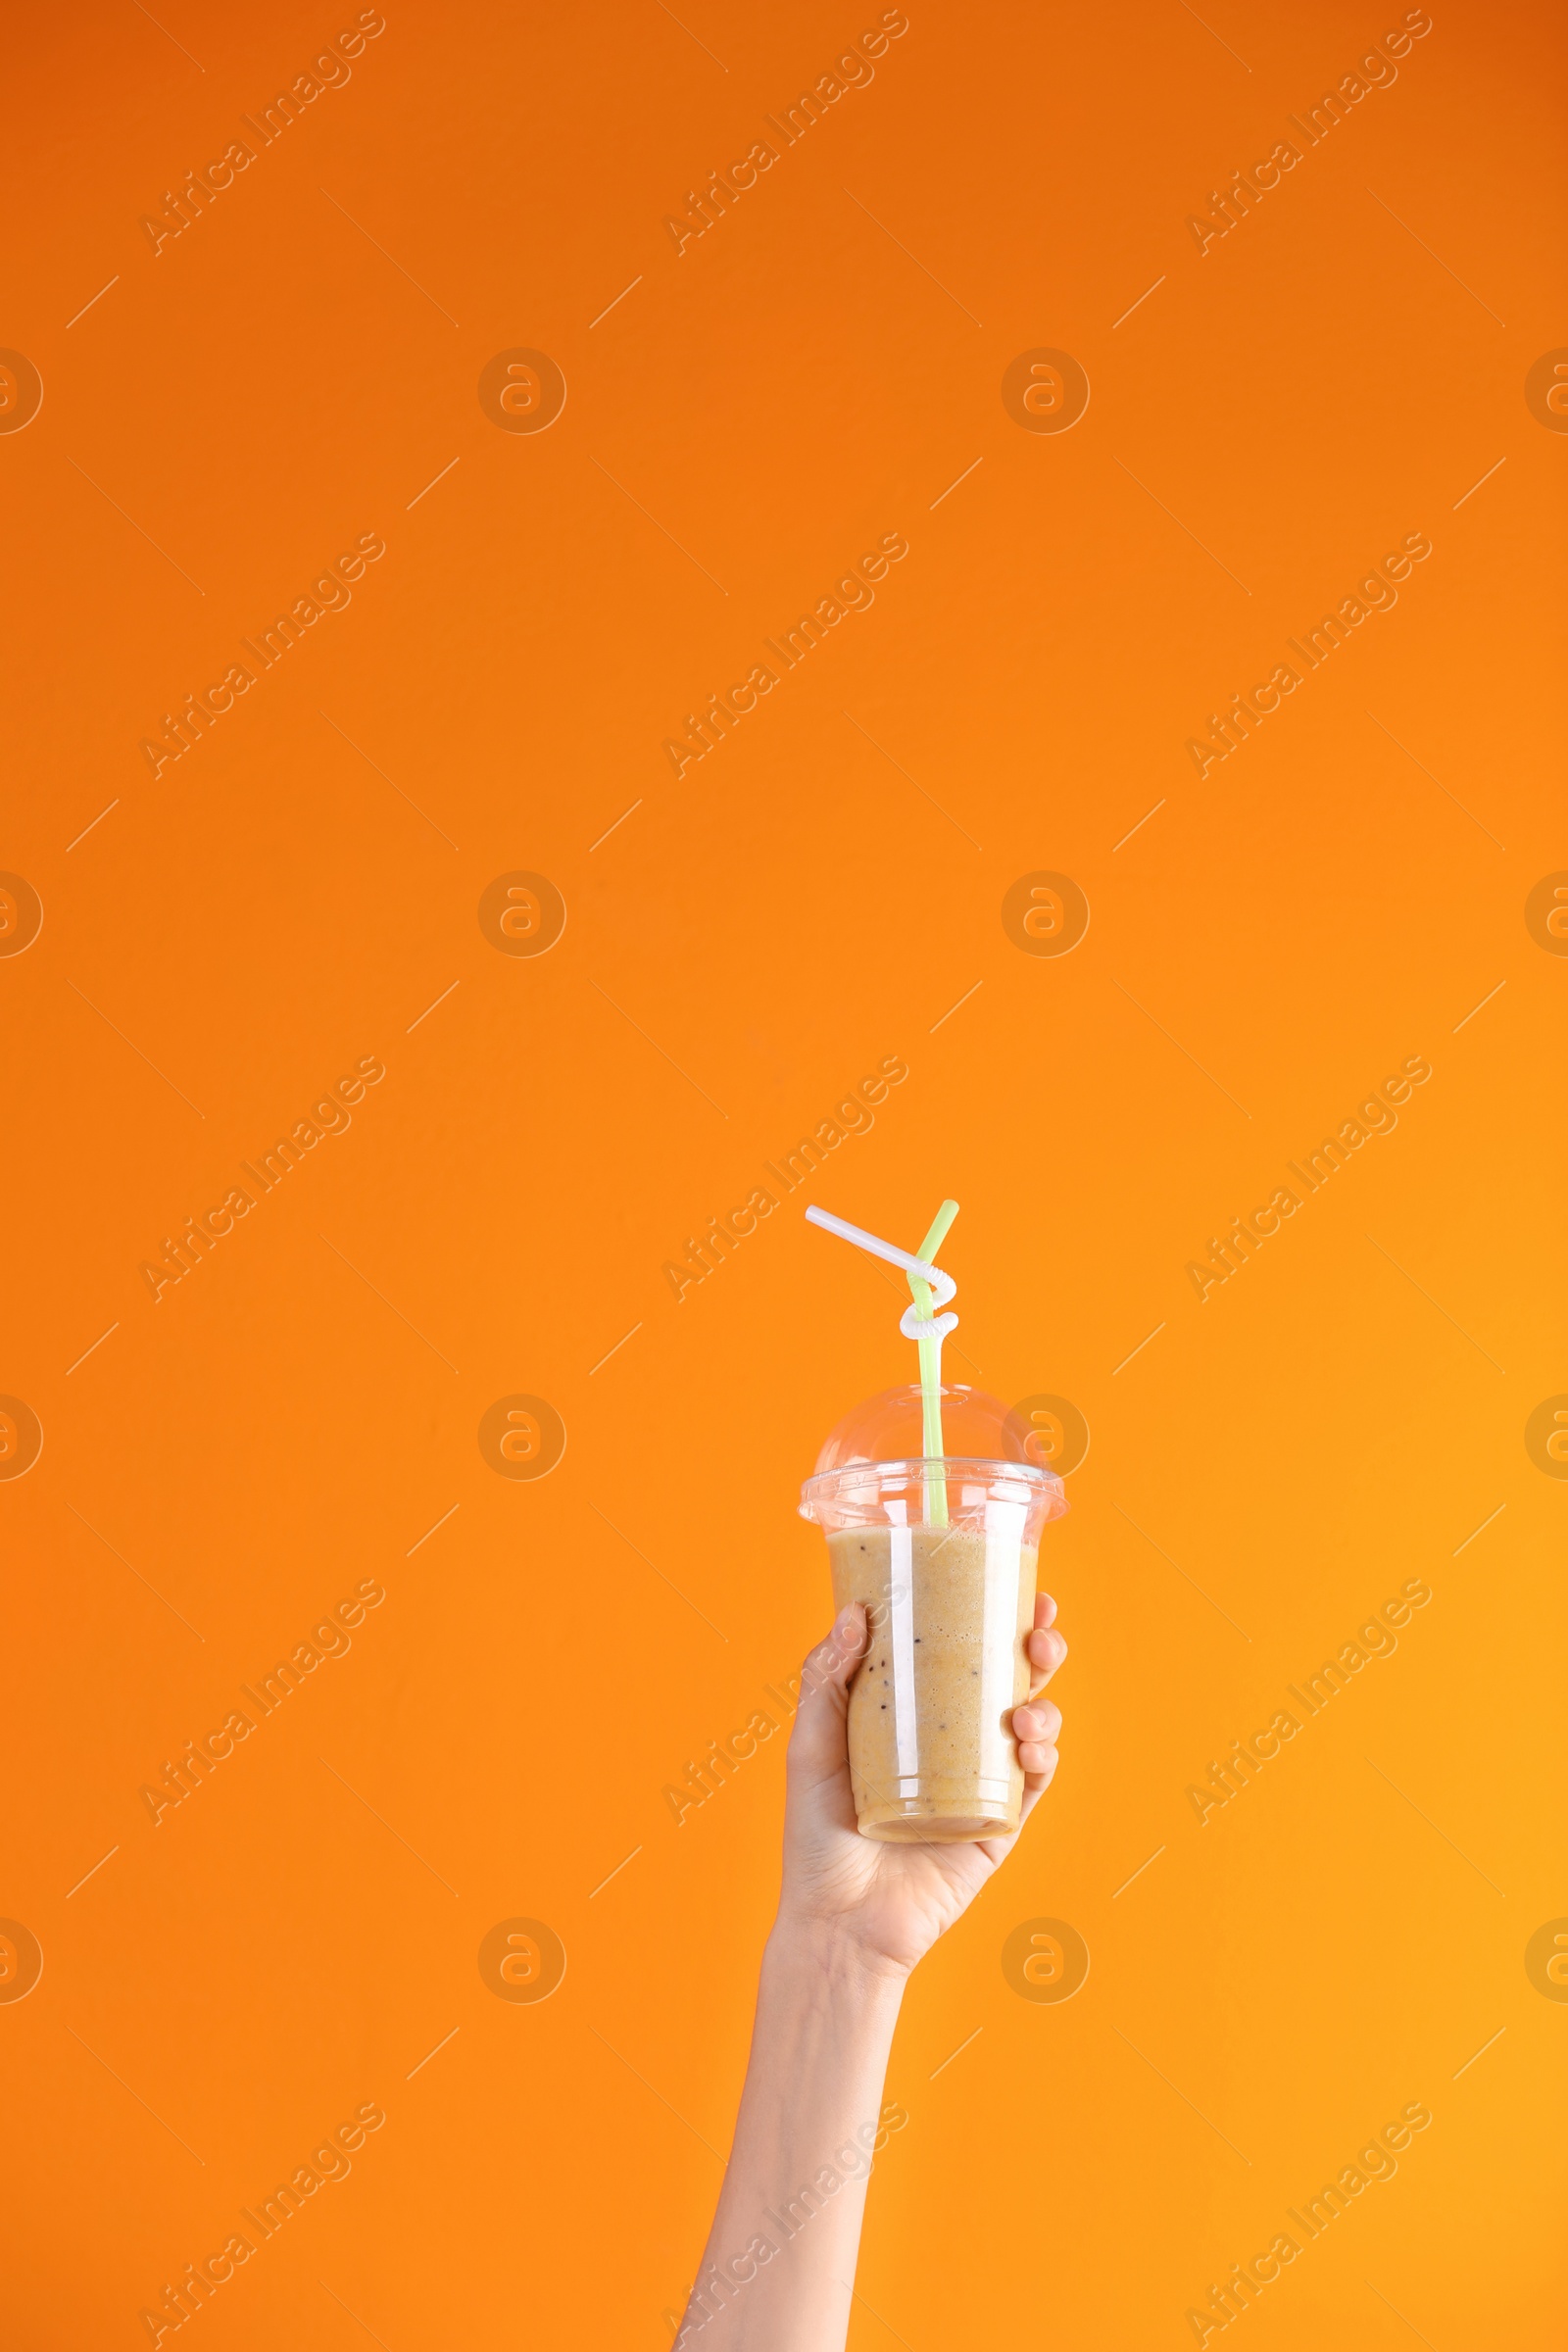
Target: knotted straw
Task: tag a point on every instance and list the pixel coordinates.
(923, 1323)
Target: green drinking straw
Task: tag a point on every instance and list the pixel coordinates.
(936, 1491)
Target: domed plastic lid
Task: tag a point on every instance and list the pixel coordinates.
(873, 1468)
(889, 1429)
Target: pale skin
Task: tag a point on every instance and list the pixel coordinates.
(853, 1918)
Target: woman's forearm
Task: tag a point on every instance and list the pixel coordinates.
(855, 1914)
(777, 2269)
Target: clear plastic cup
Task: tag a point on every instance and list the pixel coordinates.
(941, 1552)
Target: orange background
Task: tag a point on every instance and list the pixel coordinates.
(295, 893)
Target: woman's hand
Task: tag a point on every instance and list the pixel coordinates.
(888, 1903)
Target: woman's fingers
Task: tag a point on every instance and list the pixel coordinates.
(1040, 1719)
(1035, 1784)
(1047, 1649)
(1037, 1728)
(1044, 1646)
(1037, 1724)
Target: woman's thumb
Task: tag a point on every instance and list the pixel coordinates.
(818, 1737)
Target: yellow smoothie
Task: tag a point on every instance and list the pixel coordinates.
(932, 1757)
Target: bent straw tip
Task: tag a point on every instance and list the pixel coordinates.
(939, 1229)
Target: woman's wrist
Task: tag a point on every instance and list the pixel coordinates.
(826, 1957)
